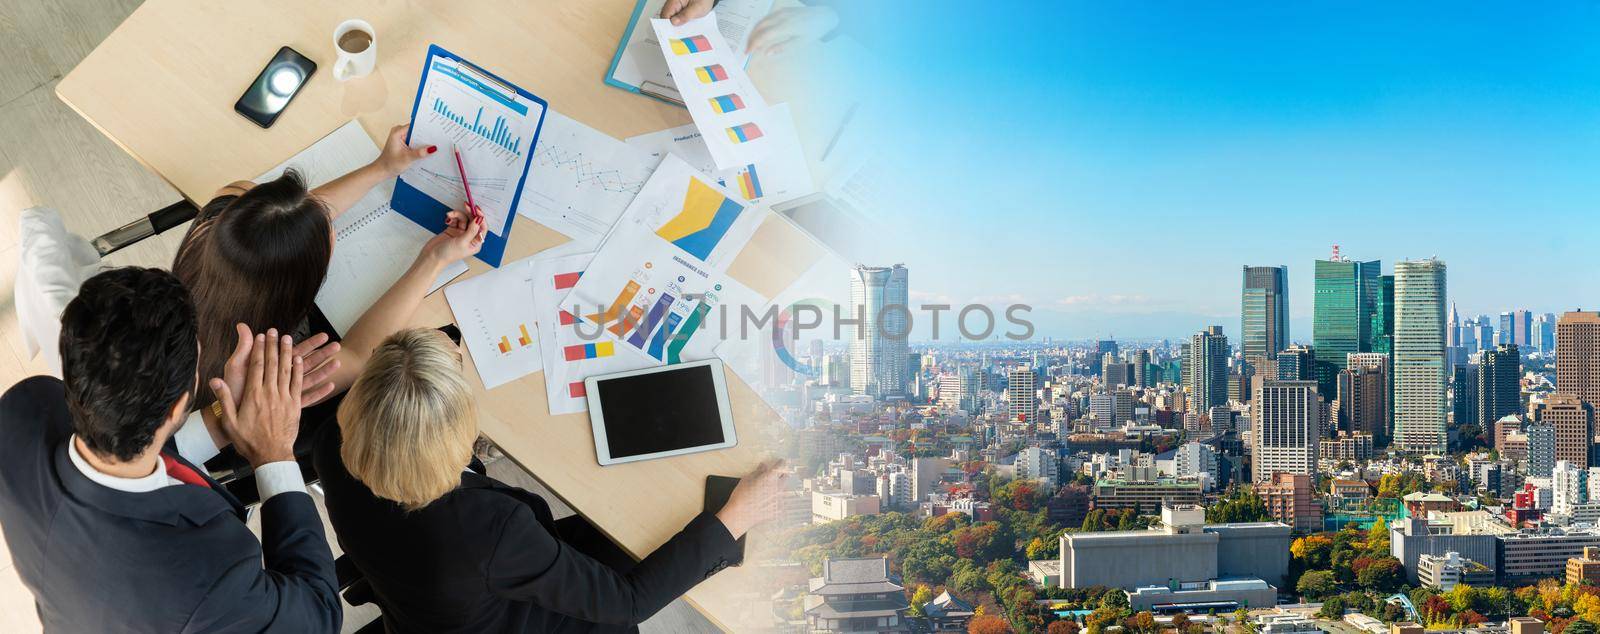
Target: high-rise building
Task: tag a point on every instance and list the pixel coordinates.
(1385, 362)
(1297, 363)
(1264, 313)
(1343, 297)
(1464, 394)
(1284, 416)
(1541, 449)
(1208, 368)
(1522, 329)
(1022, 394)
(1141, 368)
(1578, 355)
(879, 296)
(1499, 384)
(1114, 371)
(1383, 316)
(1102, 348)
(1544, 334)
(1419, 416)
(1364, 398)
(1573, 420)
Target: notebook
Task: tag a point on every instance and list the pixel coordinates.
(373, 245)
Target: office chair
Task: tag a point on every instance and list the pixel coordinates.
(152, 224)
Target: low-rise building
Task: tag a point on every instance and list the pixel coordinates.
(1585, 568)
(1145, 496)
(1530, 554)
(1045, 573)
(1222, 595)
(828, 506)
(855, 595)
(1291, 498)
(1450, 570)
(1182, 550)
(948, 613)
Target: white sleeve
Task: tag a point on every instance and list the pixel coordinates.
(279, 477)
(52, 265)
(194, 440)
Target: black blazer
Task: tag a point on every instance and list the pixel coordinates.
(178, 559)
(487, 557)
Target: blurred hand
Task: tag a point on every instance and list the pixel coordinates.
(266, 420)
(316, 354)
(680, 11)
(396, 155)
(462, 237)
(785, 27)
(754, 500)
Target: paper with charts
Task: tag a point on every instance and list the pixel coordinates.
(581, 180)
(657, 286)
(781, 176)
(460, 108)
(496, 314)
(720, 97)
(373, 245)
(570, 355)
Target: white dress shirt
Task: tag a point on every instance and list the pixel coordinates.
(195, 445)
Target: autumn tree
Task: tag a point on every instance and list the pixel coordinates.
(988, 624)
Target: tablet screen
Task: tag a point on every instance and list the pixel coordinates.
(660, 411)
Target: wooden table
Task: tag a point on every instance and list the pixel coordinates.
(162, 87)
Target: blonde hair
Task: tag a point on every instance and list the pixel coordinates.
(410, 420)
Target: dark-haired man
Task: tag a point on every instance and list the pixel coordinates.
(109, 526)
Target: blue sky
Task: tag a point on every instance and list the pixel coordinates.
(1116, 163)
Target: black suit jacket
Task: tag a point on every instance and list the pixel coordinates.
(487, 557)
(178, 559)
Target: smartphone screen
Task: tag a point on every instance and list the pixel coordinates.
(275, 87)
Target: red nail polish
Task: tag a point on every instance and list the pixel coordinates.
(432, 149)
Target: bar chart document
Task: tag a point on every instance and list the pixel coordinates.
(494, 125)
(733, 118)
(495, 312)
(581, 179)
(571, 353)
(638, 66)
(780, 177)
(658, 286)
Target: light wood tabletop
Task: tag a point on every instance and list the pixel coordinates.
(162, 87)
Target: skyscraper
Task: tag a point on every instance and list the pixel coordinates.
(1021, 391)
(1286, 420)
(1141, 368)
(1543, 339)
(1464, 394)
(1364, 395)
(1264, 313)
(1208, 369)
(1573, 420)
(1499, 384)
(1296, 363)
(878, 352)
(1578, 355)
(1419, 295)
(1383, 316)
(1341, 322)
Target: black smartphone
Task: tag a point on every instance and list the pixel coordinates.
(275, 87)
(718, 490)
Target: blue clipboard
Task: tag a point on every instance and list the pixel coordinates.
(429, 213)
(622, 48)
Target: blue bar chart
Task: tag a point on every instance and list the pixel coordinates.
(498, 133)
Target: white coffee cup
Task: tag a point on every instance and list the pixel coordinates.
(353, 64)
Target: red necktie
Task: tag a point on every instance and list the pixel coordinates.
(182, 473)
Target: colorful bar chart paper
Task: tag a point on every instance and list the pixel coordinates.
(749, 183)
(704, 220)
(744, 133)
(711, 74)
(567, 280)
(689, 45)
(588, 350)
(727, 103)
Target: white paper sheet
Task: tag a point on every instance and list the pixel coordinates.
(581, 180)
(709, 74)
(569, 355)
(497, 314)
(780, 177)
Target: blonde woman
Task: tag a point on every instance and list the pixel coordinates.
(447, 549)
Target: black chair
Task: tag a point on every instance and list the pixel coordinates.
(153, 224)
(356, 591)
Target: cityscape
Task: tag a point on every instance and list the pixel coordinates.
(1401, 467)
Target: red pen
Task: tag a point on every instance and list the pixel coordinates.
(462, 167)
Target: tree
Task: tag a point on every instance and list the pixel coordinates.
(1062, 627)
(1317, 584)
(1313, 550)
(988, 624)
(921, 596)
(1141, 623)
(1242, 505)
(1332, 607)
(1385, 574)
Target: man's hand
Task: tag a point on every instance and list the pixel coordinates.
(754, 500)
(396, 155)
(264, 424)
(317, 356)
(680, 11)
(787, 27)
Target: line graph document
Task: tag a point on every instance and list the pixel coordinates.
(581, 180)
(373, 245)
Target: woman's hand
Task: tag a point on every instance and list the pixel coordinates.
(396, 155)
(754, 500)
(680, 11)
(462, 237)
(784, 27)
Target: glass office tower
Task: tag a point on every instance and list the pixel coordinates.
(1264, 313)
(1344, 294)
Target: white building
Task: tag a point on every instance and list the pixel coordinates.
(1541, 449)
(1419, 372)
(878, 353)
(1193, 459)
(1022, 395)
(1286, 418)
(834, 505)
(1043, 465)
